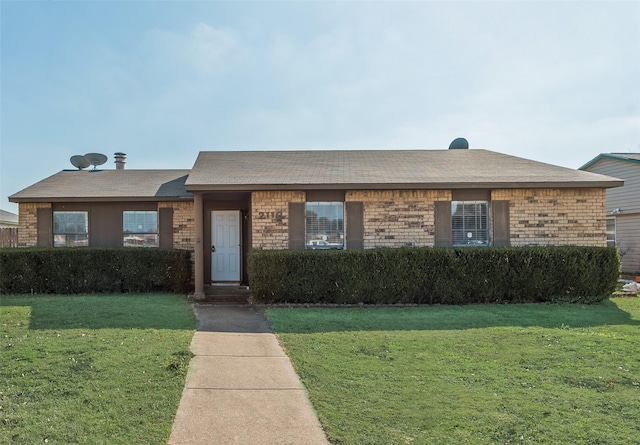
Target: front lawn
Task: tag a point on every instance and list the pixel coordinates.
(491, 374)
(100, 369)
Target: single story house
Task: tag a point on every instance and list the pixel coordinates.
(8, 229)
(8, 220)
(623, 205)
(232, 202)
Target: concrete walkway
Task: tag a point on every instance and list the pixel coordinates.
(241, 387)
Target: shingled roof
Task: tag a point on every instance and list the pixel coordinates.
(309, 170)
(101, 185)
(626, 157)
(381, 169)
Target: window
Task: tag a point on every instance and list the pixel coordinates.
(470, 223)
(70, 229)
(324, 225)
(140, 229)
(611, 232)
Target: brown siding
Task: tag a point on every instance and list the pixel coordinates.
(443, 223)
(354, 225)
(105, 222)
(325, 195)
(296, 225)
(45, 228)
(165, 227)
(105, 219)
(470, 195)
(500, 222)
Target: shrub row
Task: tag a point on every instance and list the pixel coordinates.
(94, 270)
(435, 275)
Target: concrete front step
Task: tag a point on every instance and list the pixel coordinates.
(227, 295)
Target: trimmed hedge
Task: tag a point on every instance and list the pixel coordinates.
(435, 275)
(94, 270)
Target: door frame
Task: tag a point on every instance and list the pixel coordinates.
(225, 201)
(240, 245)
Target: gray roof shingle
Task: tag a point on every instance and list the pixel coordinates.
(290, 170)
(8, 217)
(89, 185)
(380, 169)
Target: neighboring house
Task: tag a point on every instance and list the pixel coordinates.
(232, 202)
(623, 205)
(8, 229)
(8, 220)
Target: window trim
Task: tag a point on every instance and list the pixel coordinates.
(486, 230)
(615, 231)
(65, 234)
(324, 244)
(145, 233)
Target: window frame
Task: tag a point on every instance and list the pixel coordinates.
(81, 238)
(611, 242)
(325, 243)
(142, 235)
(481, 224)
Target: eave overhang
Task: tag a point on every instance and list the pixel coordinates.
(103, 199)
(195, 188)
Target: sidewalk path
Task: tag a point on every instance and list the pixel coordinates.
(241, 387)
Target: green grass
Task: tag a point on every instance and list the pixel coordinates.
(105, 369)
(493, 374)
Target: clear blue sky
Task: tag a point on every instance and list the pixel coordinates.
(557, 82)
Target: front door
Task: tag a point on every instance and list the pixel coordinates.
(225, 245)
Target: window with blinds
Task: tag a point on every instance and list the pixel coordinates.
(470, 223)
(324, 225)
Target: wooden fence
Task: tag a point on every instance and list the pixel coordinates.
(8, 237)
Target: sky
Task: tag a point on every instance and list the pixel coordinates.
(556, 82)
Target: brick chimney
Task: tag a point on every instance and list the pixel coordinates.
(120, 157)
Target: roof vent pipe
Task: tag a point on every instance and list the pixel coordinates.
(120, 157)
(459, 144)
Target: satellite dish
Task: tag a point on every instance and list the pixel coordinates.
(95, 159)
(79, 162)
(459, 144)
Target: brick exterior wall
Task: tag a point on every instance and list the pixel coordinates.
(28, 222)
(395, 218)
(556, 216)
(183, 224)
(270, 218)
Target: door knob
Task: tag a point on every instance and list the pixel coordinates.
(213, 248)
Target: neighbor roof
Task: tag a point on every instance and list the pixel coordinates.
(381, 169)
(627, 157)
(8, 217)
(107, 185)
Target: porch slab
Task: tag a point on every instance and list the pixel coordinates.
(238, 319)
